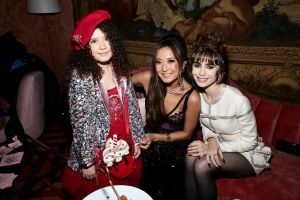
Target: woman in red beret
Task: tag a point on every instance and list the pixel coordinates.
(104, 113)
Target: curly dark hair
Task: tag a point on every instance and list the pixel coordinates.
(211, 48)
(157, 90)
(86, 65)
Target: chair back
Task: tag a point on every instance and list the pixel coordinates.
(30, 103)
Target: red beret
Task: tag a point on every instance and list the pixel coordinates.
(85, 27)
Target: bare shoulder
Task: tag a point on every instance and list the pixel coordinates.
(194, 104)
(141, 77)
(194, 97)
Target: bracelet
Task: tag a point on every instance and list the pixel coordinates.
(87, 166)
(168, 137)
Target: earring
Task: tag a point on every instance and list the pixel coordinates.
(220, 77)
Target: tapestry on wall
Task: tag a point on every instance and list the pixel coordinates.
(254, 21)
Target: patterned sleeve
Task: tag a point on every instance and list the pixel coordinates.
(81, 116)
(135, 117)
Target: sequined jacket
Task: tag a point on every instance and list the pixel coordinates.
(90, 120)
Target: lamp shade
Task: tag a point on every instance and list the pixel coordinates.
(43, 6)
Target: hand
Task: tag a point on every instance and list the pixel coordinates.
(89, 173)
(197, 148)
(214, 154)
(137, 150)
(146, 142)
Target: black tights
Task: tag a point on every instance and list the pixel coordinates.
(200, 178)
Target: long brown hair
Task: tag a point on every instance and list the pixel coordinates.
(86, 65)
(157, 90)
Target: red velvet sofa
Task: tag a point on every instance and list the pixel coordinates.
(276, 120)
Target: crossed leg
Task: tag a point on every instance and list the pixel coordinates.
(200, 178)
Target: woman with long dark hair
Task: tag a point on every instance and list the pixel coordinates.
(173, 108)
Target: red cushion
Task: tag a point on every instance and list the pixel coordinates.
(267, 114)
(280, 182)
(288, 126)
(275, 119)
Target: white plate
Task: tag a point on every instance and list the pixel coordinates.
(107, 193)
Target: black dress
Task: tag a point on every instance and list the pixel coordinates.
(163, 163)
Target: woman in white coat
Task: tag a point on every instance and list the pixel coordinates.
(231, 147)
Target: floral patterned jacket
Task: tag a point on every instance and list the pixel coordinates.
(90, 120)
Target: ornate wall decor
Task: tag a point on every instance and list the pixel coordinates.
(140, 60)
(269, 53)
(268, 71)
(139, 53)
(277, 81)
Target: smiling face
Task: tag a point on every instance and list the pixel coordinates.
(167, 66)
(100, 47)
(204, 72)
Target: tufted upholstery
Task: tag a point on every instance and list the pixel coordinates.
(275, 120)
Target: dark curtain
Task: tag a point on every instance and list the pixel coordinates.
(119, 9)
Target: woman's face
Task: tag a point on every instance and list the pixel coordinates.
(204, 73)
(167, 66)
(100, 47)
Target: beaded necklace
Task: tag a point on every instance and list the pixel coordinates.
(177, 90)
